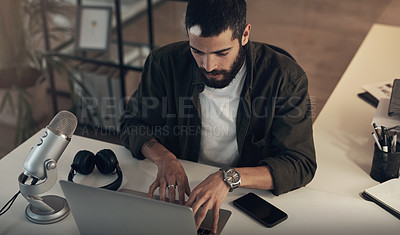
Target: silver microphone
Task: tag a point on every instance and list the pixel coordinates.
(55, 138)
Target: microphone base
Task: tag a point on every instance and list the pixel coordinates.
(59, 205)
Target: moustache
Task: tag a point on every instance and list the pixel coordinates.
(214, 72)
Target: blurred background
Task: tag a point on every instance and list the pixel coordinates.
(45, 65)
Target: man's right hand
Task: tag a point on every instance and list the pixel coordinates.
(171, 174)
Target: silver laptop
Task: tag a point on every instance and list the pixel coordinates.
(101, 211)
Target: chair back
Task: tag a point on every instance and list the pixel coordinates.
(282, 51)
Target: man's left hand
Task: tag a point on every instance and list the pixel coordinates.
(208, 195)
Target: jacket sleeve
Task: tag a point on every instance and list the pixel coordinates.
(294, 164)
(142, 118)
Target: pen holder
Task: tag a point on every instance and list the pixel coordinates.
(385, 166)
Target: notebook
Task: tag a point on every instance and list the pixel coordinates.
(386, 195)
(101, 211)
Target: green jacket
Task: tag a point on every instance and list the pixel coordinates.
(273, 125)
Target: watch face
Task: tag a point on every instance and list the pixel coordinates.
(232, 176)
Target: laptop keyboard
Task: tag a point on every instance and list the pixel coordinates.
(200, 231)
(203, 231)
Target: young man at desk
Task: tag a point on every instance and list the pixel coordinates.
(222, 100)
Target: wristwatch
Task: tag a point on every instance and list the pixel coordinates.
(231, 177)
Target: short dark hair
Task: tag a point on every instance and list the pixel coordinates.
(216, 16)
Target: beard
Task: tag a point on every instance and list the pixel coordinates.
(227, 76)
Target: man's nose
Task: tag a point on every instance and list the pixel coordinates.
(209, 63)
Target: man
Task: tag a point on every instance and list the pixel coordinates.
(222, 100)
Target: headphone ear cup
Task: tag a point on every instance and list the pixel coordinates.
(106, 161)
(84, 162)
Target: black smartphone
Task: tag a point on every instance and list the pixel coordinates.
(261, 210)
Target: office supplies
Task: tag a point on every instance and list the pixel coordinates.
(385, 165)
(394, 142)
(386, 195)
(373, 92)
(376, 130)
(377, 141)
(381, 117)
(100, 211)
(370, 99)
(394, 104)
(385, 139)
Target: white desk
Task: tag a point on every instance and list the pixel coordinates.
(310, 211)
(342, 131)
(329, 205)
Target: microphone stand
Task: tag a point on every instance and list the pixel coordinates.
(47, 209)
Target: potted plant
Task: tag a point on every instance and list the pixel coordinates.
(23, 86)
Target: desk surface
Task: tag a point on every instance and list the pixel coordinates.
(310, 211)
(328, 205)
(342, 131)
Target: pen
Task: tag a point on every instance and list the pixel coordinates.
(384, 136)
(376, 141)
(376, 130)
(394, 142)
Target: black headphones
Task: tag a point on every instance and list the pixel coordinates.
(105, 161)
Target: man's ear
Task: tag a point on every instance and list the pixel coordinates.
(246, 34)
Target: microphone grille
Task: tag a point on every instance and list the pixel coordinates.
(63, 123)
